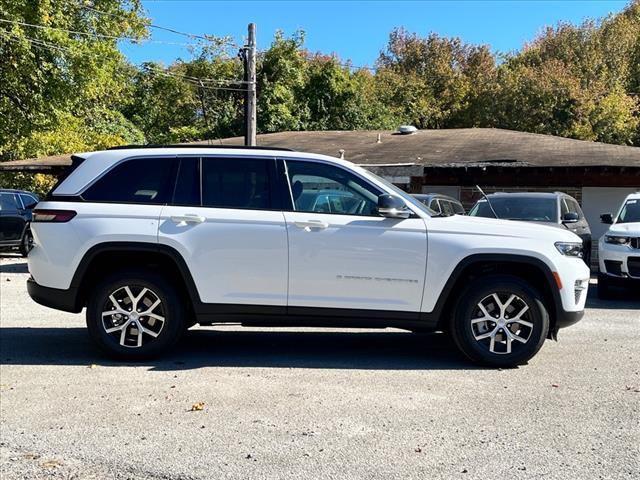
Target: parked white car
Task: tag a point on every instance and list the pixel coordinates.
(619, 248)
(154, 240)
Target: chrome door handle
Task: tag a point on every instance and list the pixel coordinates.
(311, 224)
(187, 218)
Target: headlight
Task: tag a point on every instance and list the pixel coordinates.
(616, 240)
(570, 249)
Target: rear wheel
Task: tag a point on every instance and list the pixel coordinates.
(135, 315)
(500, 321)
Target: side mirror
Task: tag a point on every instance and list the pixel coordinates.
(606, 218)
(392, 207)
(30, 206)
(570, 217)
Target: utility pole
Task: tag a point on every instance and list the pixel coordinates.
(250, 102)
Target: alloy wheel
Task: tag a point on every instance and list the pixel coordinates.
(133, 315)
(501, 322)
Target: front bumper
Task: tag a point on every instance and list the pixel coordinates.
(619, 261)
(65, 300)
(566, 319)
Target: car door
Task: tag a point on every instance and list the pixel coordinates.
(350, 258)
(12, 223)
(226, 222)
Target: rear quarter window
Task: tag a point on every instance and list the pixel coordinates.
(138, 180)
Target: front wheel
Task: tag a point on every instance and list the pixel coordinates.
(500, 321)
(135, 315)
(26, 243)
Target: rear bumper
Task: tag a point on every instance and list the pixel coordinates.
(66, 300)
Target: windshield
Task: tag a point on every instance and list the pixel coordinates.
(405, 196)
(630, 212)
(523, 208)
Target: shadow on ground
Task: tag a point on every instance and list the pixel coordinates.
(621, 299)
(20, 267)
(384, 350)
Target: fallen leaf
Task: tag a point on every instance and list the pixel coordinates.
(196, 407)
(418, 450)
(51, 464)
(555, 385)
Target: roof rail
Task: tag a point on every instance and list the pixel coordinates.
(182, 145)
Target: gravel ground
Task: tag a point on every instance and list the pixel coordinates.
(312, 403)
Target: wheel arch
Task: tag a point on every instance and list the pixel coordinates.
(531, 269)
(108, 257)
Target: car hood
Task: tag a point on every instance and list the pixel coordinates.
(632, 228)
(501, 228)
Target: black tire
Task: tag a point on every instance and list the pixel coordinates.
(26, 243)
(508, 351)
(171, 308)
(604, 287)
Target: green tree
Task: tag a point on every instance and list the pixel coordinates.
(281, 77)
(70, 66)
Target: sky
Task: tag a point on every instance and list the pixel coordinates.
(359, 30)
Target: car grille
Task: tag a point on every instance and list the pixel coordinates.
(613, 267)
(633, 265)
(635, 242)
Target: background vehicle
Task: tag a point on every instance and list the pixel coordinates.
(556, 209)
(15, 217)
(442, 204)
(619, 248)
(153, 240)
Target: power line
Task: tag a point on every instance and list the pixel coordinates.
(196, 82)
(90, 34)
(36, 42)
(189, 80)
(205, 80)
(159, 27)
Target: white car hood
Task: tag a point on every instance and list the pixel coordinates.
(500, 228)
(632, 228)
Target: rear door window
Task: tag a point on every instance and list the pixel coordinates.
(138, 180)
(9, 202)
(242, 183)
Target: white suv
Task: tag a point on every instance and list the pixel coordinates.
(619, 248)
(154, 240)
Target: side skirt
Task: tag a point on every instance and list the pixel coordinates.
(273, 316)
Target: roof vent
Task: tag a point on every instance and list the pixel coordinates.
(407, 129)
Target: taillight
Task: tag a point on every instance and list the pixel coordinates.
(53, 216)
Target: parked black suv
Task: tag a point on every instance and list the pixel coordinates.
(557, 209)
(15, 217)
